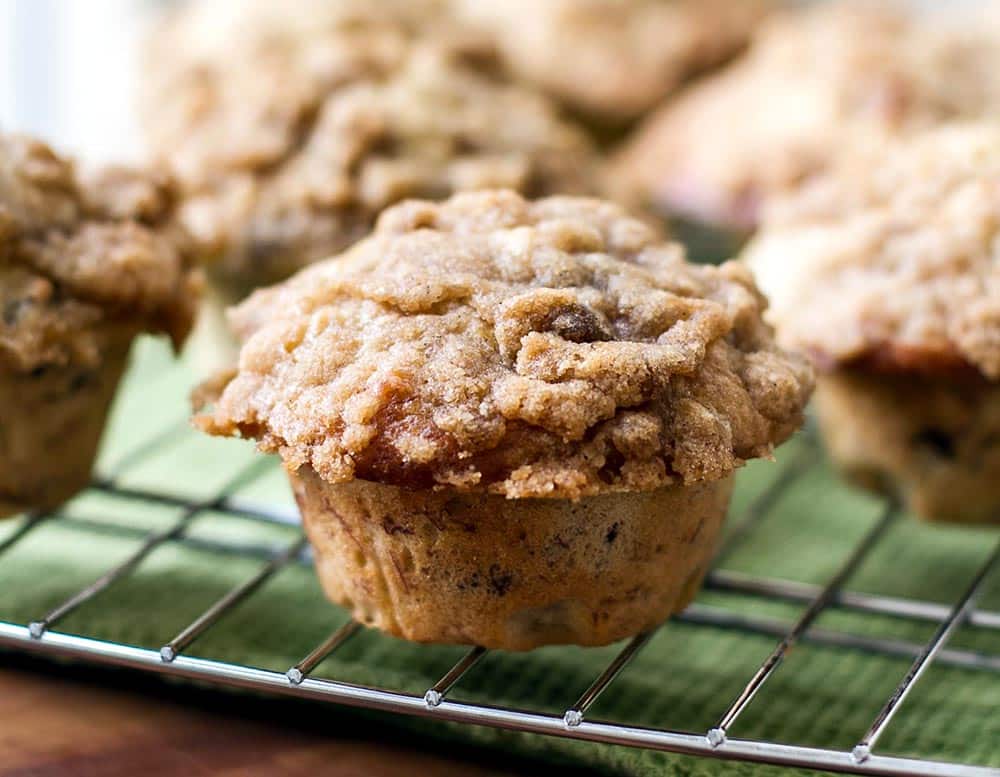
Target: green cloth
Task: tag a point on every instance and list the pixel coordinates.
(684, 679)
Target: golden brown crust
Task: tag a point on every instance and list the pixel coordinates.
(295, 134)
(615, 58)
(891, 261)
(77, 254)
(553, 348)
(813, 81)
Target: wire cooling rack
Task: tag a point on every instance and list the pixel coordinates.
(42, 636)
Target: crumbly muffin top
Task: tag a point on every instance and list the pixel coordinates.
(614, 58)
(77, 253)
(291, 140)
(893, 258)
(233, 84)
(553, 348)
(812, 81)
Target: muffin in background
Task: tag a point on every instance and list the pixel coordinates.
(814, 81)
(613, 60)
(291, 130)
(510, 423)
(85, 266)
(886, 272)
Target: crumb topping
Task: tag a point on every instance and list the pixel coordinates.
(553, 348)
(893, 258)
(292, 137)
(813, 81)
(614, 58)
(77, 252)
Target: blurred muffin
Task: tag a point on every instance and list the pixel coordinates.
(510, 423)
(886, 273)
(292, 129)
(613, 60)
(813, 80)
(84, 267)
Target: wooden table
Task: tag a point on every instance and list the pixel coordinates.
(65, 722)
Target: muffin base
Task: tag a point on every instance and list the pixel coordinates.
(51, 420)
(510, 574)
(934, 442)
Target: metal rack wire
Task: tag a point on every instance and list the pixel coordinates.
(41, 636)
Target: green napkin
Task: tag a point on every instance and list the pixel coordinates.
(684, 679)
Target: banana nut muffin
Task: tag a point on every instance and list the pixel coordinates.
(887, 273)
(614, 59)
(510, 423)
(812, 81)
(84, 267)
(292, 125)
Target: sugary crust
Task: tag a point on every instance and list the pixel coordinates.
(813, 81)
(77, 253)
(228, 84)
(553, 348)
(512, 575)
(292, 137)
(893, 259)
(614, 58)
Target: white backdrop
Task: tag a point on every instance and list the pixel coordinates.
(69, 70)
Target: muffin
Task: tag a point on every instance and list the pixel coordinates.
(885, 272)
(85, 265)
(510, 423)
(813, 80)
(291, 134)
(613, 60)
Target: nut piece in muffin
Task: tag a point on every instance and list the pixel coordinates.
(813, 80)
(886, 272)
(511, 423)
(613, 60)
(85, 265)
(293, 127)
